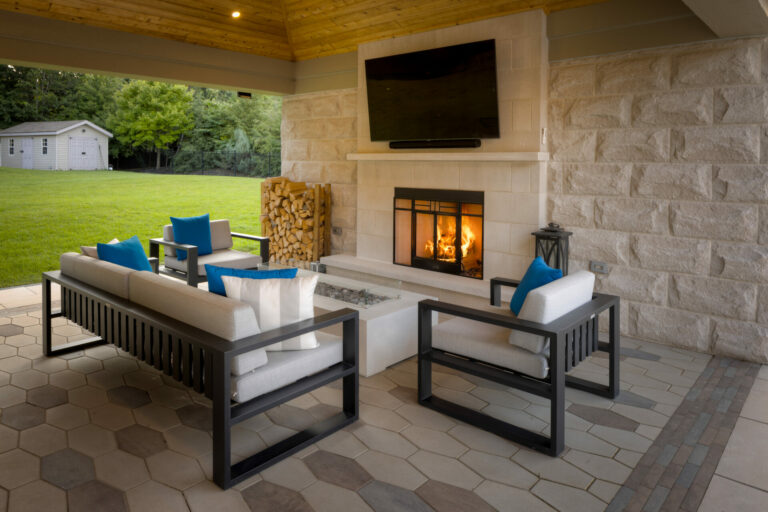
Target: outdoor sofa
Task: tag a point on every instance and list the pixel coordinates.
(199, 338)
(557, 328)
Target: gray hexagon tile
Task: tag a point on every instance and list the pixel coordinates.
(391, 470)
(23, 416)
(156, 417)
(17, 468)
(112, 417)
(140, 440)
(43, 440)
(268, 496)
(67, 416)
(174, 469)
(47, 396)
(383, 497)
(448, 498)
(9, 438)
(92, 440)
(67, 468)
(121, 469)
(37, 495)
(337, 470)
(94, 495)
(67, 379)
(128, 396)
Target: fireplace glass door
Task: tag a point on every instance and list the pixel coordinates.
(440, 230)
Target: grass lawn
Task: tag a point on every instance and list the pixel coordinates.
(46, 213)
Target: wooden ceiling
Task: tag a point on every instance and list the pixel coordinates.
(283, 29)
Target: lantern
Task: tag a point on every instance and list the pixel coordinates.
(552, 245)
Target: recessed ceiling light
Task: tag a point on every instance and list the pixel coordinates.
(235, 14)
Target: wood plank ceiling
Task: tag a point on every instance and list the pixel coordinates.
(283, 29)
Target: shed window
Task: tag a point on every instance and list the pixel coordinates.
(10, 147)
(45, 146)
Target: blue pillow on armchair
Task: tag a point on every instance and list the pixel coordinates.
(192, 231)
(129, 253)
(216, 285)
(538, 274)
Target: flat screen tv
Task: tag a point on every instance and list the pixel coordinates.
(442, 94)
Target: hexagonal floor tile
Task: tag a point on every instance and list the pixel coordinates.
(101, 352)
(105, 380)
(20, 340)
(94, 495)
(120, 365)
(85, 365)
(448, 498)
(87, 397)
(23, 416)
(7, 351)
(154, 496)
(67, 468)
(38, 495)
(67, 379)
(168, 396)
(47, 396)
(196, 416)
(176, 470)
(67, 416)
(92, 440)
(18, 467)
(128, 396)
(15, 364)
(121, 470)
(11, 395)
(189, 441)
(140, 440)
(268, 496)
(29, 379)
(25, 320)
(10, 330)
(207, 496)
(43, 440)
(31, 351)
(384, 497)
(143, 380)
(337, 470)
(49, 364)
(156, 417)
(112, 417)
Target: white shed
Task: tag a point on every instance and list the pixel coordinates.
(55, 145)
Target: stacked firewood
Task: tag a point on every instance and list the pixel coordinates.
(297, 219)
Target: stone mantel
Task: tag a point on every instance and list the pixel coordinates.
(518, 156)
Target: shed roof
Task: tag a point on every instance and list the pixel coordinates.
(49, 128)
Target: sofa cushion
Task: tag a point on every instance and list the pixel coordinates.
(224, 258)
(286, 367)
(192, 231)
(488, 343)
(102, 274)
(90, 250)
(550, 302)
(216, 285)
(538, 274)
(278, 302)
(227, 318)
(128, 253)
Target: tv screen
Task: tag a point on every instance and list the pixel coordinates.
(441, 94)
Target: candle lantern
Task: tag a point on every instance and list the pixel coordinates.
(552, 245)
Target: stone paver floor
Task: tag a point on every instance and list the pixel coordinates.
(96, 430)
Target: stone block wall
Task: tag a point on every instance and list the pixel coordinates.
(659, 164)
(317, 132)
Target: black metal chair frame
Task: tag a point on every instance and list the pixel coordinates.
(191, 275)
(572, 338)
(202, 361)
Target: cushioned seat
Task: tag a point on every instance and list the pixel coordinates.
(101, 274)
(222, 258)
(487, 342)
(288, 366)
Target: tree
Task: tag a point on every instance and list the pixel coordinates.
(151, 115)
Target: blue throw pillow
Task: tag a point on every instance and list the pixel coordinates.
(216, 285)
(192, 231)
(129, 253)
(538, 274)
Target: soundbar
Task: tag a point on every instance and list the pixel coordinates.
(420, 144)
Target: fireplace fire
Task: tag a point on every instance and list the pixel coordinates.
(439, 230)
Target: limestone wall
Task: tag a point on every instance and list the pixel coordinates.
(317, 132)
(658, 163)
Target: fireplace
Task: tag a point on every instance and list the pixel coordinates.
(439, 230)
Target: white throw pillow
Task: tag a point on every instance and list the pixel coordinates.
(549, 302)
(277, 302)
(89, 250)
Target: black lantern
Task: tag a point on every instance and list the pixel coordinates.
(552, 245)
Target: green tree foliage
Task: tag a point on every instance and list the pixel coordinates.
(151, 115)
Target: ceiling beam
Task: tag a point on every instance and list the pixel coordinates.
(732, 18)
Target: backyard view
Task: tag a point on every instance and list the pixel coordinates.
(46, 213)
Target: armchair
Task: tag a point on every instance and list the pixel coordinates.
(478, 342)
(193, 267)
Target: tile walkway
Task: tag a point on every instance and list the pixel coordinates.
(96, 430)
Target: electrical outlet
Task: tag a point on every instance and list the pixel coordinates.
(598, 267)
(336, 230)
(543, 136)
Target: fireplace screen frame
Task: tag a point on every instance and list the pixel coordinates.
(435, 197)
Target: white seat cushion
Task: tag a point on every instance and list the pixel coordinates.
(287, 367)
(487, 343)
(222, 258)
(549, 302)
